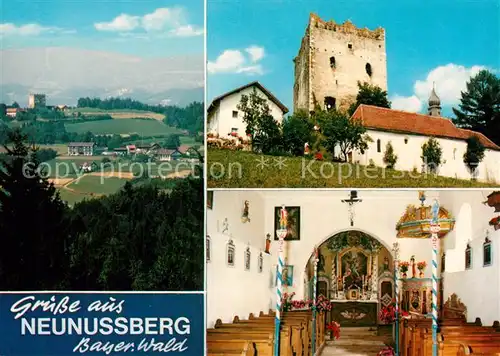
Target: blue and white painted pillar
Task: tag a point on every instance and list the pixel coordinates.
(435, 228)
(281, 232)
(396, 295)
(315, 297)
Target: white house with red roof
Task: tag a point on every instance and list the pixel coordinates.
(225, 120)
(407, 132)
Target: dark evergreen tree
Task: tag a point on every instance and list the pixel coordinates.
(370, 95)
(479, 108)
(33, 228)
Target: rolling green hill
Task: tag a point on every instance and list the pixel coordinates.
(123, 126)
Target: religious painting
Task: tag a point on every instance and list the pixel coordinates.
(354, 271)
(487, 253)
(210, 199)
(286, 274)
(293, 222)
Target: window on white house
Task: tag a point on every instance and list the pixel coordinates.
(235, 114)
(487, 252)
(406, 140)
(234, 130)
(379, 146)
(468, 257)
(349, 45)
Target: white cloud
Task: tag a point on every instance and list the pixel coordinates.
(164, 21)
(450, 80)
(122, 22)
(238, 61)
(256, 53)
(162, 18)
(32, 29)
(410, 103)
(186, 31)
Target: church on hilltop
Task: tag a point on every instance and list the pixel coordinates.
(367, 258)
(332, 59)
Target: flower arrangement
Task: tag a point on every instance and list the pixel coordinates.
(334, 328)
(318, 156)
(403, 266)
(421, 265)
(495, 222)
(388, 313)
(386, 351)
(286, 301)
(322, 304)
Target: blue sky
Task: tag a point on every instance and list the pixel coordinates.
(427, 41)
(150, 28)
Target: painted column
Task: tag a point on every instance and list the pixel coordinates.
(281, 232)
(334, 276)
(374, 295)
(396, 294)
(435, 252)
(315, 296)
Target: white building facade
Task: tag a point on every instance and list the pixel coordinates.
(245, 287)
(224, 119)
(408, 132)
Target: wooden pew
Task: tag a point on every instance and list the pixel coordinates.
(248, 350)
(240, 330)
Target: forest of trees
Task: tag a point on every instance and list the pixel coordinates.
(140, 238)
(186, 118)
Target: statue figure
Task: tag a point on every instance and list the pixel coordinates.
(413, 267)
(386, 264)
(245, 217)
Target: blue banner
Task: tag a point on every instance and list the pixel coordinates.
(59, 323)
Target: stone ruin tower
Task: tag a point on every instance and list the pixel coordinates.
(332, 59)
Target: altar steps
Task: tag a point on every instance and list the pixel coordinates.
(355, 341)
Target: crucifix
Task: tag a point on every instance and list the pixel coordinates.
(353, 198)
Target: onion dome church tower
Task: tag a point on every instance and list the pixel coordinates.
(434, 108)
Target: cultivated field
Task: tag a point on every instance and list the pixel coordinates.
(123, 126)
(119, 113)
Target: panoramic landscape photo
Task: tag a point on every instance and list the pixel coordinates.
(102, 145)
(340, 96)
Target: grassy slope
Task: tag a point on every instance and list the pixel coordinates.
(119, 113)
(223, 172)
(123, 126)
(93, 184)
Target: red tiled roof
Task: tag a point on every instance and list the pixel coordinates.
(377, 118)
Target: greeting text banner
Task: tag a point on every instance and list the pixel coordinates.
(58, 323)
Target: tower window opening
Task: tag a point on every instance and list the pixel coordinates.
(369, 70)
(332, 62)
(330, 103)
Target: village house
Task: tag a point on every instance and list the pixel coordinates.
(81, 148)
(12, 112)
(225, 120)
(164, 154)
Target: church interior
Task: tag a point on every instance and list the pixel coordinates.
(423, 254)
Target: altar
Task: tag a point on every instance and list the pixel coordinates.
(355, 273)
(355, 313)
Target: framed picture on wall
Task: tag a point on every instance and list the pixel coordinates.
(293, 222)
(210, 199)
(287, 274)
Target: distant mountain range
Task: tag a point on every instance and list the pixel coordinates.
(66, 74)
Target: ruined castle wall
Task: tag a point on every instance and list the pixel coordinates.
(301, 88)
(352, 48)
